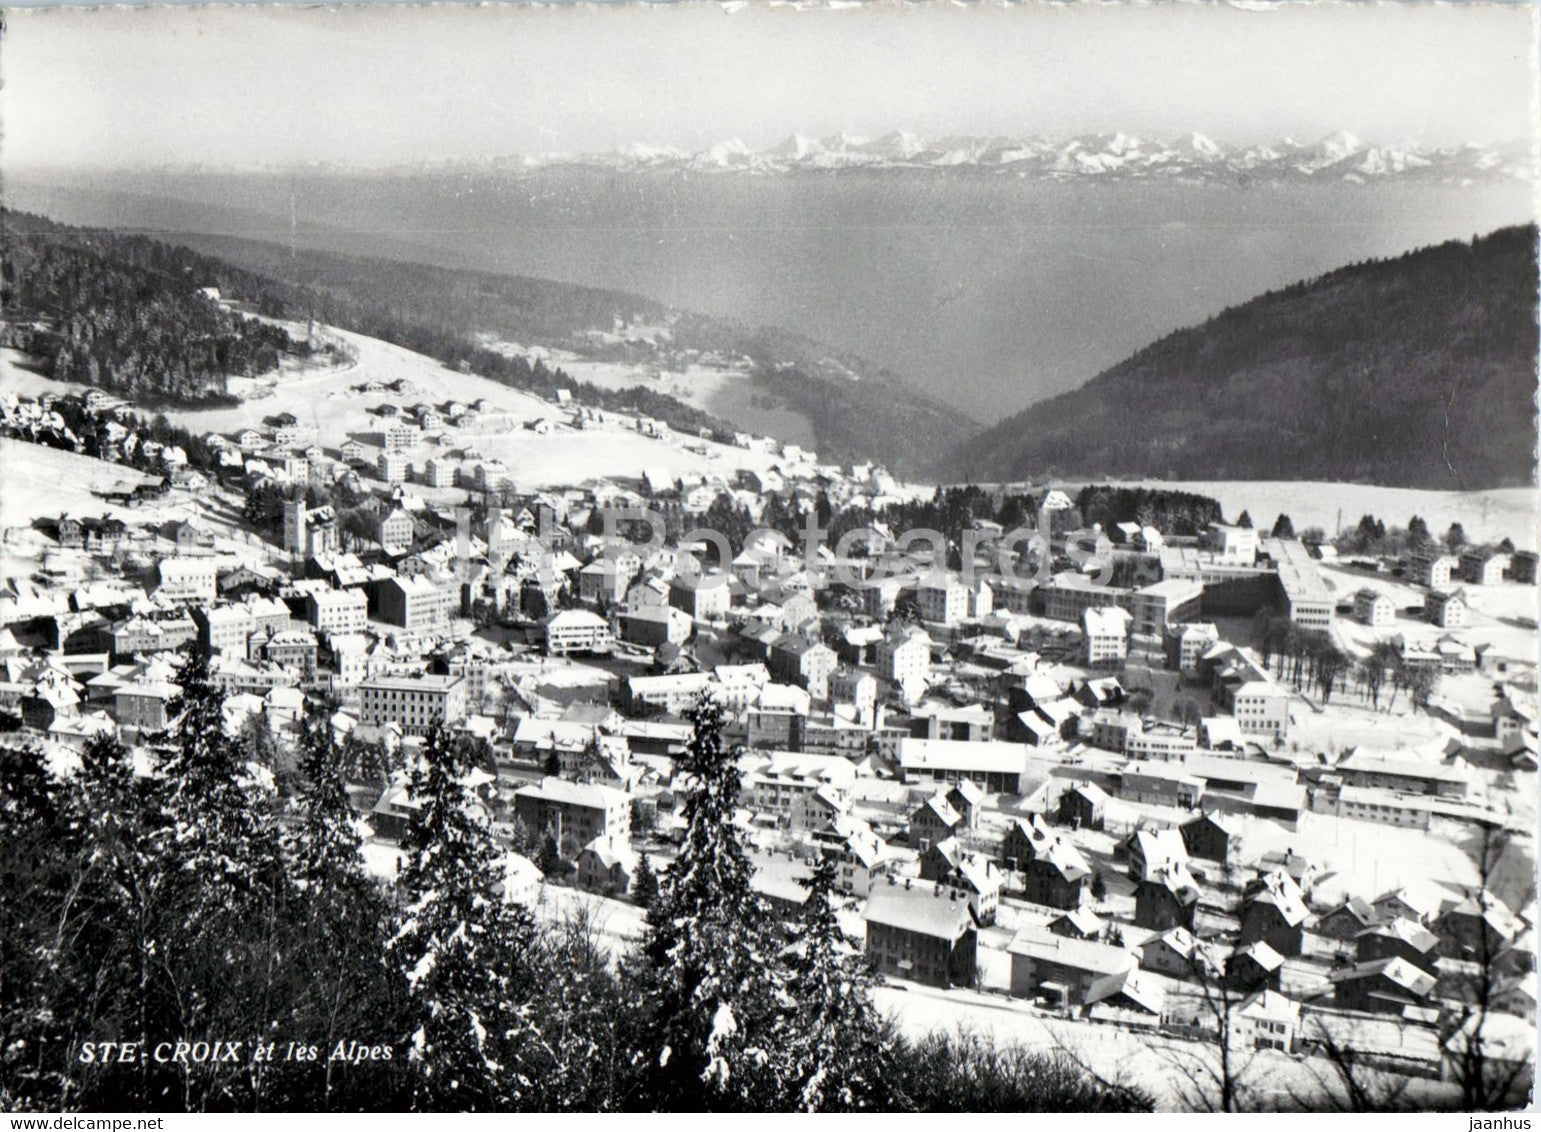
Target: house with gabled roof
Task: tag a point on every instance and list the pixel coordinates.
(1422, 902)
(1181, 954)
(1447, 608)
(968, 799)
(1131, 998)
(922, 932)
(1276, 913)
(1078, 923)
(935, 820)
(1401, 937)
(1346, 919)
(1149, 850)
(1480, 925)
(1385, 986)
(862, 858)
(1062, 968)
(781, 880)
(1267, 1020)
(948, 863)
(1165, 898)
(1213, 837)
(607, 865)
(1254, 966)
(1057, 876)
(1083, 806)
(1025, 838)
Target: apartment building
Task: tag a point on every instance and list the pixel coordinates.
(415, 703)
(576, 631)
(417, 604)
(188, 579)
(335, 612)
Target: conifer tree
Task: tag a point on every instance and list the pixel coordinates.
(838, 1044)
(36, 847)
(224, 945)
(644, 886)
(709, 973)
(221, 806)
(338, 926)
(548, 858)
(464, 952)
(325, 842)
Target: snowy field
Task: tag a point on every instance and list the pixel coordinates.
(1488, 516)
(721, 386)
(38, 482)
(1145, 1060)
(330, 411)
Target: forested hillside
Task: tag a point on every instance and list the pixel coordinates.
(857, 410)
(1414, 372)
(128, 315)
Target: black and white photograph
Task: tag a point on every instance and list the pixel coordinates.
(769, 557)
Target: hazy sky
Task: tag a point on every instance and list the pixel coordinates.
(267, 85)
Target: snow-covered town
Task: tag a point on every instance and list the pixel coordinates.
(769, 558)
(1187, 782)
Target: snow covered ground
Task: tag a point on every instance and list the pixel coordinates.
(330, 410)
(1487, 516)
(44, 482)
(39, 482)
(722, 386)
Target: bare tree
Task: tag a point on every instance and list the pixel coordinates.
(1349, 1081)
(1213, 1073)
(1469, 1035)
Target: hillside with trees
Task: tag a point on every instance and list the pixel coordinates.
(857, 410)
(1418, 371)
(128, 315)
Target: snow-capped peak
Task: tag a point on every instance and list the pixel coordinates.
(1204, 146)
(1340, 145)
(796, 148)
(1116, 155)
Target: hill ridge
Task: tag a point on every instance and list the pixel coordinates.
(1412, 371)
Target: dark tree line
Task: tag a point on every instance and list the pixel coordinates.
(1174, 512)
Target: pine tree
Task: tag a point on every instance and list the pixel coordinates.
(325, 842)
(1283, 527)
(339, 925)
(549, 857)
(221, 806)
(837, 1040)
(226, 943)
(709, 977)
(1245, 520)
(644, 886)
(39, 850)
(466, 955)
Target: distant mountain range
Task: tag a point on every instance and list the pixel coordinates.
(1339, 157)
(1418, 371)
